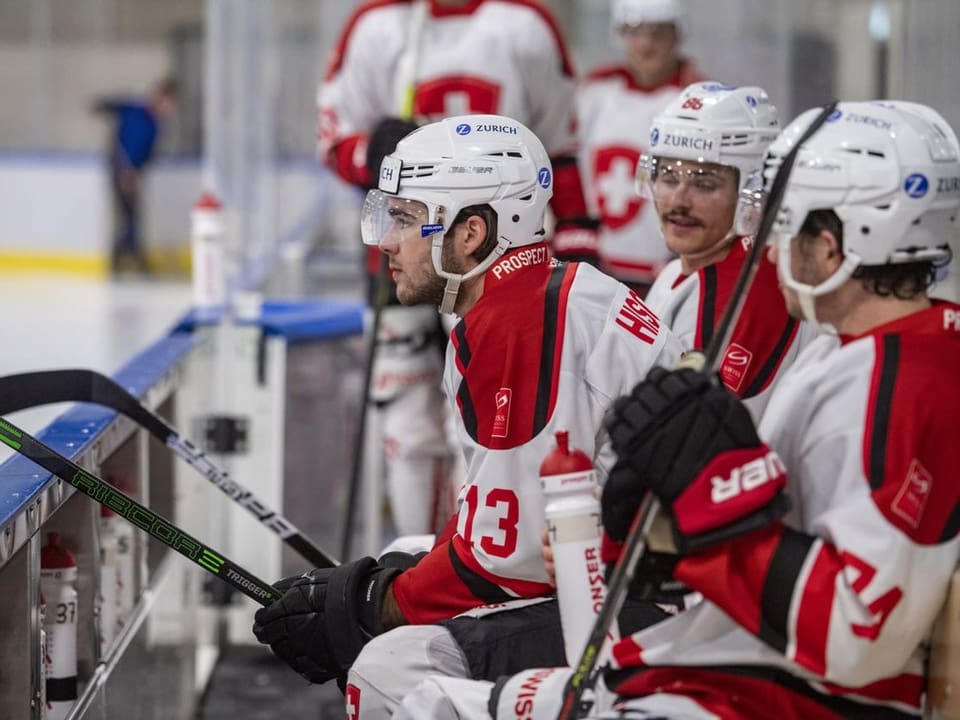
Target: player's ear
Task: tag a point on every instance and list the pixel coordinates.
(831, 248)
(475, 234)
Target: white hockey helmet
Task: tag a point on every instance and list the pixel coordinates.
(633, 12)
(715, 123)
(459, 162)
(890, 170)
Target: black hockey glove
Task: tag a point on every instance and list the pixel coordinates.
(325, 617)
(693, 444)
(383, 140)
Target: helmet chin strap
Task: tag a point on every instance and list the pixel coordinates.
(454, 280)
(806, 293)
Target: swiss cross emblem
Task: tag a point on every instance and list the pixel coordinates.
(693, 103)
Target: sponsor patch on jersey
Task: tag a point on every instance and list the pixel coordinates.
(501, 419)
(911, 500)
(733, 367)
(352, 702)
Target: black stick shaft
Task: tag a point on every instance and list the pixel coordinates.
(150, 522)
(25, 390)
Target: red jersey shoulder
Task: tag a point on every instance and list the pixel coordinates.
(910, 453)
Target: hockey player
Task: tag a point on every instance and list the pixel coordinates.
(820, 610)
(615, 106)
(540, 346)
(432, 59)
(706, 148)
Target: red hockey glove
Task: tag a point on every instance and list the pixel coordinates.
(693, 444)
(577, 240)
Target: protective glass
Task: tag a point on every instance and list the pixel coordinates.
(658, 176)
(392, 219)
(750, 205)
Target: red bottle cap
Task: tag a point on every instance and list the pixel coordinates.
(54, 556)
(563, 459)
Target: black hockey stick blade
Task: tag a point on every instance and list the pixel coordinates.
(133, 512)
(26, 390)
(585, 673)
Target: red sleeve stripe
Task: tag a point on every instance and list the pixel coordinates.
(343, 156)
(816, 604)
(470, 571)
(468, 411)
(785, 567)
(628, 653)
(554, 315)
(336, 60)
(878, 410)
(708, 307)
(769, 369)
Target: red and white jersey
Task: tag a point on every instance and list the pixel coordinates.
(825, 614)
(491, 56)
(547, 347)
(765, 340)
(614, 115)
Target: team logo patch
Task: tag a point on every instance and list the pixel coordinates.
(352, 702)
(501, 420)
(911, 499)
(733, 368)
(463, 129)
(916, 185)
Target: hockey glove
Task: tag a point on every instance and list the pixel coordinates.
(383, 140)
(325, 617)
(693, 444)
(577, 240)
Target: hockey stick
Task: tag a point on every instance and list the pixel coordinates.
(408, 64)
(150, 522)
(19, 392)
(585, 674)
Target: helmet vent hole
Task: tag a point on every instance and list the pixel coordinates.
(516, 218)
(506, 153)
(526, 198)
(864, 230)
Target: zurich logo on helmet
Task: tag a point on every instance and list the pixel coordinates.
(834, 116)
(916, 185)
(544, 177)
(654, 137)
(463, 129)
(751, 101)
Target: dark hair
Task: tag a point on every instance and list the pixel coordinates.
(489, 216)
(904, 281)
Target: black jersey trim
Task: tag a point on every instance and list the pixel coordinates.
(551, 321)
(773, 360)
(847, 709)
(468, 412)
(709, 304)
(481, 588)
(778, 586)
(882, 407)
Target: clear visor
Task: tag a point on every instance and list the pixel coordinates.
(659, 176)
(389, 219)
(753, 198)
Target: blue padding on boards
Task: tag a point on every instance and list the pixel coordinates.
(300, 321)
(21, 480)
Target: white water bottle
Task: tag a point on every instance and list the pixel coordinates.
(109, 579)
(207, 253)
(58, 576)
(572, 515)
